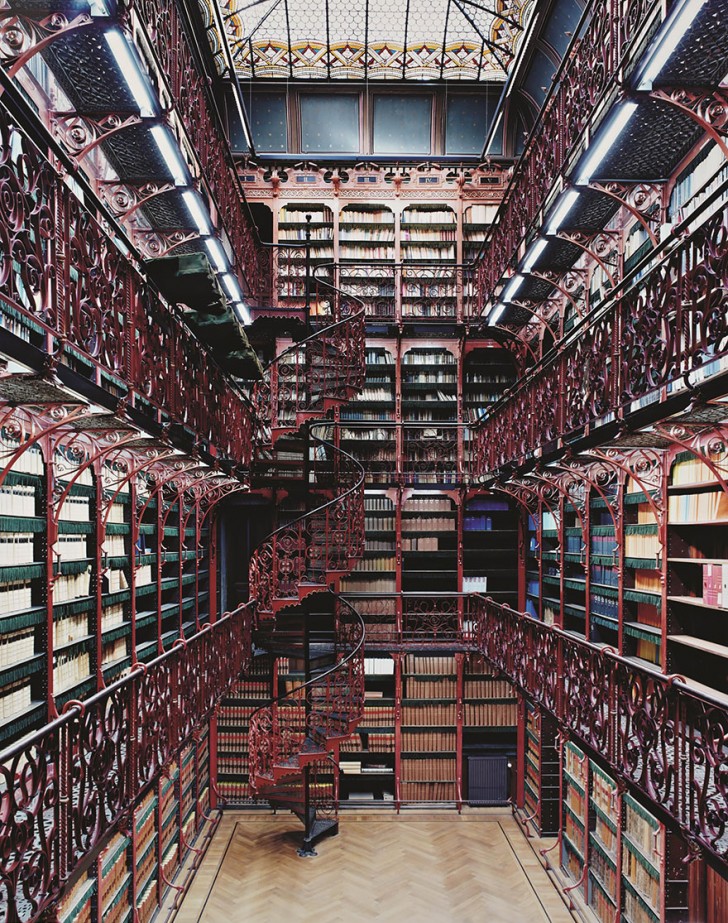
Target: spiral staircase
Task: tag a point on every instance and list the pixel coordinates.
(295, 739)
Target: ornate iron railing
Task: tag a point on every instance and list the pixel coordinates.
(306, 724)
(666, 322)
(66, 786)
(308, 554)
(414, 619)
(588, 74)
(180, 79)
(311, 377)
(70, 289)
(655, 732)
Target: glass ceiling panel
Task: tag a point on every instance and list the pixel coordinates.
(366, 39)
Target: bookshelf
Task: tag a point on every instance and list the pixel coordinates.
(574, 562)
(604, 823)
(573, 812)
(642, 607)
(377, 400)
(532, 567)
(697, 574)
(428, 233)
(429, 385)
(292, 229)
(429, 758)
(490, 526)
(477, 219)
(487, 372)
(366, 234)
(367, 760)
(551, 556)
(541, 770)
(605, 565)
(429, 543)
(246, 696)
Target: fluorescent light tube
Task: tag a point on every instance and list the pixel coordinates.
(241, 309)
(197, 213)
(216, 254)
(607, 139)
(533, 254)
(131, 72)
(170, 154)
(566, 203)
(496, 313)
(668, 38)
(510, 290)
(232, 287)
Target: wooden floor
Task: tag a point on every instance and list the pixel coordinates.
(419, 867)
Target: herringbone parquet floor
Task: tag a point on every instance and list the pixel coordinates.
(423, 868)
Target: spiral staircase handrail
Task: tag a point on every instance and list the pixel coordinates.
(316, 680)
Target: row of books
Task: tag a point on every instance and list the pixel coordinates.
(351, 215)
(71, 668)
(376, 504)
(412, 251)
(378, 666)
(371, 742)
(16, 646)
(439, 741)
(18, 500)
(427, 791)
(16, 548)
(431, 687)
(427, 543)
(70, 629)
(358, 234)
(300, 234)
(375, 394)
(354, 584)
(15, 596)
(373, 565)
(379, 545)
(440, 715)
(429, 524)
(350, 251)
(419, 215)
(490, 714)
(432, 769)
(30, 462)
(708, 506)
(431, 664)
(475, 584)
(357, 767)
(14, 699)
(425, 234)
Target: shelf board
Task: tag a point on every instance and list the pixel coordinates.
(696, 602)
(700, 644)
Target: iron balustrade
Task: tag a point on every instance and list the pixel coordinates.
(664, 323)
(70, 288)
(311, 377)
(588, 75)
(417, 619)
(67, 786)
(655, 732)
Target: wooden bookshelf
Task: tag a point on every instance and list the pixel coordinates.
(541, 770)
(573, 832)
(292, 232)
(697, 569)
(246, 696)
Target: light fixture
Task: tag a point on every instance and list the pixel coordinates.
(668, 38)
(566, 203)
(533, 254)
(131, 72)
(607, 138)
(196, 211)
(170, 155)
(241, 309)
(510, 290)
(216, 254)
(232, 287)
(496, 313)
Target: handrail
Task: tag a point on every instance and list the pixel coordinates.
(259, 572)
(620, 324)
(315, 680)
(644, 725)
(109, 315)
(65, 787)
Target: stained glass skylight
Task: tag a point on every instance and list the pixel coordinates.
(473, 40)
